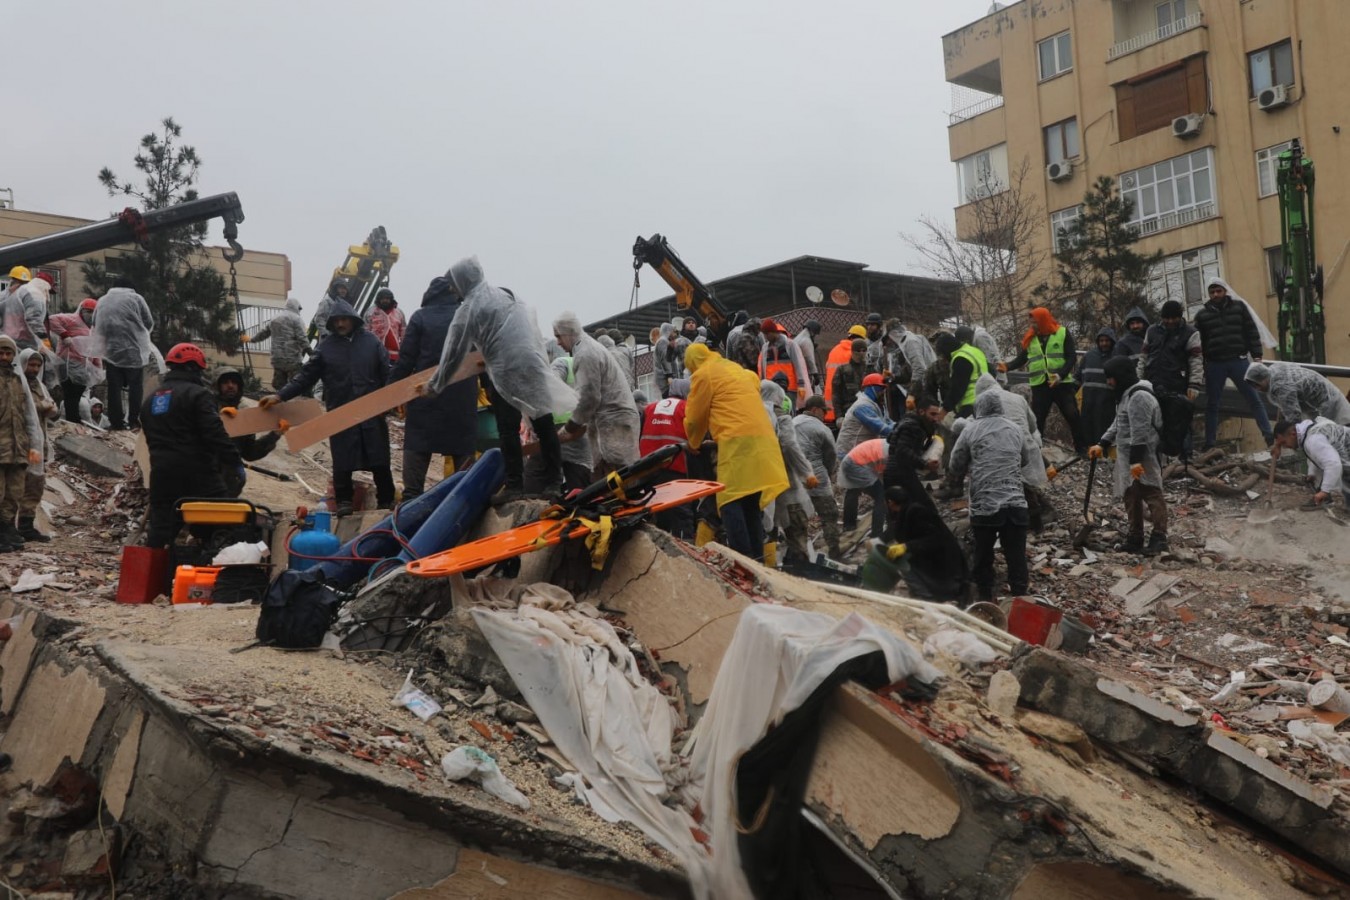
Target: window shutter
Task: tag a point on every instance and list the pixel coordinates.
(1125, 111)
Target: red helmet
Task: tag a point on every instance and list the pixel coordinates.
(183, 354)
(874, 380)
(88, 303)
(47, 277)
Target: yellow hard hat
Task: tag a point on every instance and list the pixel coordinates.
(858, 331)
(20, 273)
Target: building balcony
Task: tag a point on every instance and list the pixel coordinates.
(1177, 219)
(1157, 35)
(974, 104)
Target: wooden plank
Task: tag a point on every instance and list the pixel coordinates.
(1142, 597)
(373, 404)
(255, 419)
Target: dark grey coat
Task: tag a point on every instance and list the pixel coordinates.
(349, 367)
(447, 423)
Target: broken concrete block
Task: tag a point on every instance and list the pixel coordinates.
(1004, 690)
(94, 455)
(92, 856)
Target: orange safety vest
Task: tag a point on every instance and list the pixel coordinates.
(663, 424)
(839, 356)
(773, 361)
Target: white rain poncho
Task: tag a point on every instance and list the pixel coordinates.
(1017, 411)
(1327, 446)
(36, 440)
(287, 331)
(623, 356)
(577, 450)
(87, 413)
(807, 346)
(910, 349)
(505, 331)
(794, 460)
(25, 312)
(1297, 391)
(604, 399)
(1267, 339)
(1138, 421)
(817, 442)
(783, 346)
(985, 342)
(668, 357)
(122, 326)
(993, 451)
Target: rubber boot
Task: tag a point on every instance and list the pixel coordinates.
(704, 534)
(1157, 543)
(28, 531)
(1133, 544)
(771, 554)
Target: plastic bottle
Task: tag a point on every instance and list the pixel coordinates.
(243, 553)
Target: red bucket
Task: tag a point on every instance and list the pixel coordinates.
(1032, 621)
(144, 575)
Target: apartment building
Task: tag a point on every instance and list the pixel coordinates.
(1187, 104)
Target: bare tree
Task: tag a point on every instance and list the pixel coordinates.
(999, 261)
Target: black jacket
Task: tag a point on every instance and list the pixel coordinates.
(908, 441)
(1227, 331)
(187, 441)
(932, 550)
(1129, 343)
(448, 423)
(349, 367)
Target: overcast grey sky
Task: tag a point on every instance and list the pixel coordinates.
(542, 136)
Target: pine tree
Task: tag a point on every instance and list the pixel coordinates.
(186, 295)
(1099, 275)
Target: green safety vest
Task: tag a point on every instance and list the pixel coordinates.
(978, 365)
(571, 379)
(1045, 358)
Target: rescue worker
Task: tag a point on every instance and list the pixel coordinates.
(504, 329)
(910, 451)
(605, 411)
(1299, 393)
(817, 443)
(806, 343)
(1035, 479)
(724, 401)
(929, 556)
(745, 350)
(1138, 476)
(1232, 341)
(789, 509)
(19, 276)
(70, 338)
(937, 376)
(967, 364)
(385, 320)
(187, 442)
(848, 379)
(338, 290)
(122, 339)
(24, 312)
(841, 354)
(860, 471)
(1099, 401)
(905, 355)
(91, 413)
(30, 364)
(1327, 446)
(876, 334)
(351, 362)
(980, 337)
(1131, 340)
(1049, 356)
(668, 357)
(865, 419)
(993, 451)
(252, 447)
(615, 347)
(1172, 358)
(781, 355)
(662, 425)
(448, 423)
(289, 344)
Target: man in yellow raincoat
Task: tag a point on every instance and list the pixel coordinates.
(724, 399)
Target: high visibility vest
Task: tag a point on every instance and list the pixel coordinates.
(978, 366)
(775, 360)
(1043, 358)
(839, 356)
(663, 424)
(571, 379)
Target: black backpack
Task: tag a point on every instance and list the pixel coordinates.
(298, 610)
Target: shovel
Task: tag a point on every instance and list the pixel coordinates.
(1267, 513)
(1085, 530)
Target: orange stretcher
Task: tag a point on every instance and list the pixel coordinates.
(550, 531)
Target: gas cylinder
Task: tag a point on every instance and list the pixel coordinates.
(315, 541)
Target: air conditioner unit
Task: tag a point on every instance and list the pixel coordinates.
(1059, 171)
(1273, 97)
(1187, 126)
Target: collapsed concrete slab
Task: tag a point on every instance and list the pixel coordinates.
(94, 455)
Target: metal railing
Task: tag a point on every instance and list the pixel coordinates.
(1176, 219)
(993, 101)
(1140, 41)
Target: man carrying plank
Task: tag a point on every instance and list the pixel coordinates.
(351, 362)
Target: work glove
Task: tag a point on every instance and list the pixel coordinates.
(1001, 367)
(812, 482)
(1053, 379)
(243, 339)
(229, 412)
(1137, 471)
(34, 457)
(1051, 472)
(1096, 451)
(283, 426)
(269, 401)
(895, 551)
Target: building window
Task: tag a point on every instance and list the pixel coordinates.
(1171, 13)
(1062, 222)
(1275, 266)
(1271, 66)
(1267, 165)
(1056, 55)
(982, 174)
(1061, 141)
(1173, 192)
(1148, 104)
(1182, 278)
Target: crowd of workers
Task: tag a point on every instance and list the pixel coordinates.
(789, 427)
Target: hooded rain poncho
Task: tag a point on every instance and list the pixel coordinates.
(122, 326)
(1327, 446)
(1135, 432)
(994, 452)
(73, 340)
(447, 423)
(25, 313)
(817, 442)
(1294, 390)
(798, 467)
(724, 401)
(604, 399)
(287, 333)
(1017, 411)
(505, 331)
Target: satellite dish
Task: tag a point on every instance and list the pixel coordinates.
(815, 294)
(839, 297)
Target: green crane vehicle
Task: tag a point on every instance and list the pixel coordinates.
(1302, 322)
